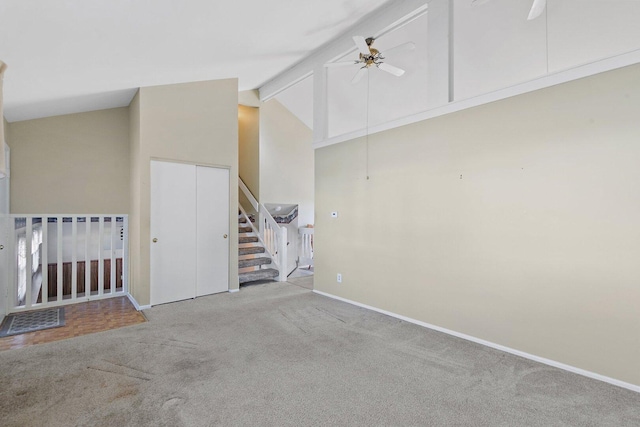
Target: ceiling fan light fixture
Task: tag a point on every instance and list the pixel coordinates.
(369, 56)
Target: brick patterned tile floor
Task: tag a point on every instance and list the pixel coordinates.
(81, 319)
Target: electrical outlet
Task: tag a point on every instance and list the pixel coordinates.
(339, 278)
(334, 214)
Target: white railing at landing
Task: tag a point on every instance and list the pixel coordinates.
(305, 256)
(63, 242)
(270, 234)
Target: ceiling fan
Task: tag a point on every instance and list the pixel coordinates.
(370, 56)
(536, 9)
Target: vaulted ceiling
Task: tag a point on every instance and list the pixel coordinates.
(68, 56)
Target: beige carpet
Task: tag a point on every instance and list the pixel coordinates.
(279, 355)
(303, 281)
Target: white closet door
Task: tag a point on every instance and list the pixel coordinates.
(173, 232)
(212, 230)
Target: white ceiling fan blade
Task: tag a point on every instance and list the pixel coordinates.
(361, 44)
(391, 69)
(359, 75)
(537, 9)
(401, 47)
(340, 64)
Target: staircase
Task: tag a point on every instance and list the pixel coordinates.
(253, 261)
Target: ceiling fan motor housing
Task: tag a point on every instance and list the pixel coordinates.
(374, 56)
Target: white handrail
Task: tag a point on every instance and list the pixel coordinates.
(270, 233)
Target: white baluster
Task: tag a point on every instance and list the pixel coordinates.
(112, 272)
(87, 258)
(125, 254)
(44, 257)
(59, 253)
(100, 258)
(74, 257)
(28, 272)
(282, 254)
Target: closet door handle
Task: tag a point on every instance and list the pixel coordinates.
(155, 240)
(225, 236)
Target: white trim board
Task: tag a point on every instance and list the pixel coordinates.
(136, 305)
(490, 344)
(233, 291)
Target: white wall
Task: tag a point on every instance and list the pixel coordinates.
(515, 222)
(495, 46)
(490, 47)
(583, 31)
(286, 160)
(67, 241)
(380, 96)
(298, 99)
(51, 245)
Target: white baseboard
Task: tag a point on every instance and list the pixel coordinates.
(136, 305)
(535, 358)
(232, 291)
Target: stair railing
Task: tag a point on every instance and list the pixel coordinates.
(270, 234)
(58, 259)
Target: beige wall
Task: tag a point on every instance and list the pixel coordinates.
(515, 222)
(286, 160)
(76, 163)
(193, 123)
(249, 148)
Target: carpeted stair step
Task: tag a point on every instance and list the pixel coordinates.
(253, 262)
(245, 229)
(267, 273)
(242, 220)
(247, 239)
(251, 250)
